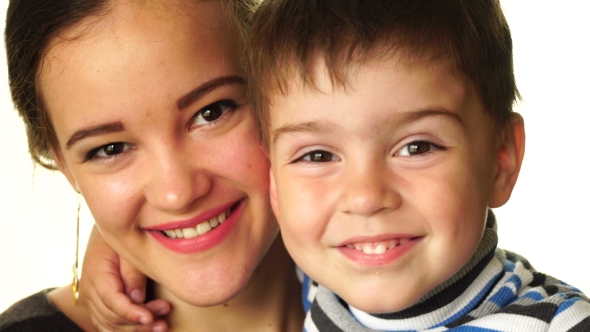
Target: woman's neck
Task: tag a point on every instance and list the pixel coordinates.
(271, 301)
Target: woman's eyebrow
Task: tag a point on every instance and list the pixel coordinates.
(182, 102)
(101, 129)
(206, 87)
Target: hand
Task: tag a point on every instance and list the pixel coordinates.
(113, 291)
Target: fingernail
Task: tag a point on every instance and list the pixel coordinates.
(144, 320)
(162, 311)
(136, 296)
(158, 329)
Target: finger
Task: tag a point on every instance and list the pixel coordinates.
(105, 315)
(160, 326)
(134, 281)
(105, 320)
(121, 306)
(158, 307)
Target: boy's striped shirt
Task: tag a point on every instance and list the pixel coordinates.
(495, 291)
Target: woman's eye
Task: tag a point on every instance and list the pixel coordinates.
(212, 113)
(416, 148)
(319, 156)
(108, 151)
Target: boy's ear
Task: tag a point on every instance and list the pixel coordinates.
(509, 160)
(63, 167)
(274, 202)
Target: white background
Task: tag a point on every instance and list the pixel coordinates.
(546, 220)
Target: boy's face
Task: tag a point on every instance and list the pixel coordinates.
(381, 188)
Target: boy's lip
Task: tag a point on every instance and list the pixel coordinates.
(376, 238)
(202, 242)
(402, 243)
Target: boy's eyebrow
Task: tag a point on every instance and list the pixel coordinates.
(396, 121)
(309, 127)
(415, 116)
(198, 92)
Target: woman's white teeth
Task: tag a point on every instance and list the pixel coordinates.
(214, 222)
(187, 233)
(377, 248)
(204, 227)
(200, 229)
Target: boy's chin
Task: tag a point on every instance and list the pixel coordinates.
(383, 301)
(378, 308)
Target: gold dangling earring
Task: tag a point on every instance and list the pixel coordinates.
(76, 280)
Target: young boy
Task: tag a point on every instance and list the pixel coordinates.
(390, 132)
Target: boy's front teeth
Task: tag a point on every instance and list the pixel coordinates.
(200, 229)
(377, 248)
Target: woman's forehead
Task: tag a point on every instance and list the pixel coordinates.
(134, 62)
(130, 35)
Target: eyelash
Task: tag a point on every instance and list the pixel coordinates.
(309, 153)
(432, 147)
(91, 155)
(230, 106)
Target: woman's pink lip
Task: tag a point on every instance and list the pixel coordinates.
(193, 221)
(202, 242)
(376, 238)
(389, 256)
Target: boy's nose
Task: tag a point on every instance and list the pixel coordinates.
(369, 190)
(175, 183)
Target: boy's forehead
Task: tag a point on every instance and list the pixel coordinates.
(321, 80)
(398, 88)
(323, 76)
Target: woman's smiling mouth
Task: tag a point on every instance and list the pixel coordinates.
(198, 234)
(200, 229)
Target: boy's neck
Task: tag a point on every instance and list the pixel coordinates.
(270, 302)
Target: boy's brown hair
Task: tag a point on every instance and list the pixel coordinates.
(287, 36)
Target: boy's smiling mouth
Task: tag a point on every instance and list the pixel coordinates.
(377, 248)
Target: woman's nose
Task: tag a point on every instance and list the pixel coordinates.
(176, 182)
(368, 189)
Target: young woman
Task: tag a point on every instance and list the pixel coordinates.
(143, 107)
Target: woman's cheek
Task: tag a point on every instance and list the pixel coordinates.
(111, 200)
(248, 160)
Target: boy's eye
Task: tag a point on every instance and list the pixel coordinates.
(108, 151)
(416, 148)
(212, 113)
(319, 156)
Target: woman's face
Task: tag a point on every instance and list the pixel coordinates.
(155, 130)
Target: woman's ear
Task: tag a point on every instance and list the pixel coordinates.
(509, 160)
(274, 202)
(62, 166)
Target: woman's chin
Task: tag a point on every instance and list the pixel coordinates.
(206, 291)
